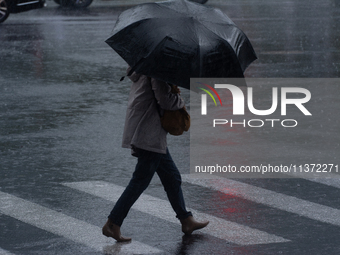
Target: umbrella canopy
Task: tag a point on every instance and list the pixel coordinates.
(177, 39)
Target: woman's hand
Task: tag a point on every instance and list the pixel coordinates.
(175, 89)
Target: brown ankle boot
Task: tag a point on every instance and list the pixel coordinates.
(112, 230)
(190, 224)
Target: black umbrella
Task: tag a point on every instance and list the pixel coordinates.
(176, 40)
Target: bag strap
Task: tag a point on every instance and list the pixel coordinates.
(154, 95)
(158, 107)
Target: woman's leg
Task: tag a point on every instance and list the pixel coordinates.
(146, 166)
(171, 180)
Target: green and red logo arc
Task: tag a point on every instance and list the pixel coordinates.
(210, 94)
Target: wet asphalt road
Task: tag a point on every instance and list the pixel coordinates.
(61, 119)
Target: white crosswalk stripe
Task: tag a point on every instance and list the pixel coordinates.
(218, 227)
(270, 198)
(66, 226)
(4, 252)
(329, 179)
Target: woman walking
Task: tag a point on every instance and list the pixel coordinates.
(145, 136)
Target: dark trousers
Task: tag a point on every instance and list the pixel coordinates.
(149, 163)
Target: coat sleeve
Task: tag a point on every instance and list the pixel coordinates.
(164, 97)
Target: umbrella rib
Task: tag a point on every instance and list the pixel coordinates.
(225, 40)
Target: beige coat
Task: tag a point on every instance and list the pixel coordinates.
(147, 98)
